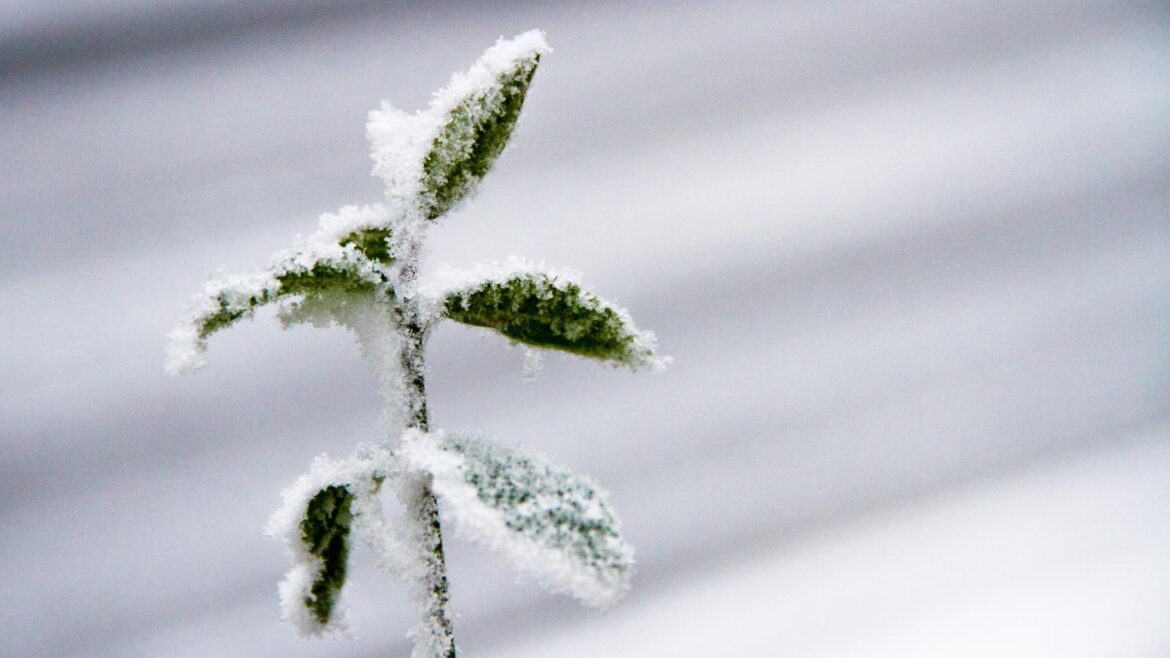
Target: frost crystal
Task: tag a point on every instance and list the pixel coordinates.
(543, 519)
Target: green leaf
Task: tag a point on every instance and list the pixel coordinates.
(233, 304)
(325, 534)
(474, 133)
(548, 521)
(372, 242)
(239, 299)
(544, 311)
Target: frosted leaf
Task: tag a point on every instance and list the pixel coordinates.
(222, 301)
(325, 534)
(366, 227)
(542, 307)
(432, 160)
(318, 269)
(543, 519)
(320, 511)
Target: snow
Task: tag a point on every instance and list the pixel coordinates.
(1060, 558)
(332, 227)
(533, 364)
(420, 542)
(398, 144)
(889, 302)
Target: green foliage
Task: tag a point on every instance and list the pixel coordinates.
(372, 242)
(325, 534)
(546, 503)
(229, 312)
(551, 522)
(531, 310)
(474, 135)
(322, 278)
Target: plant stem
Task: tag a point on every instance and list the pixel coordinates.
(437, 634)
(436, 637)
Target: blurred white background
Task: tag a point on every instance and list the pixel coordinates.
(912, 259)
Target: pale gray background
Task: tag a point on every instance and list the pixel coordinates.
(912, 259)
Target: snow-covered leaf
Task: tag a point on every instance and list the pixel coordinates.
(322, 512)
(538, 306)
(367, 228)
(374, 243)
(318, 270)
(545, 520)
(433, 160)
(325, 534)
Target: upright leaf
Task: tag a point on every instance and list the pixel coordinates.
(544, 519)
(476, 113)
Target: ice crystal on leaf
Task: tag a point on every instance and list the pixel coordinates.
(434, 159)
(359, 269)
(315, 522)
(543, 307)
(543, 519)
(338, 259)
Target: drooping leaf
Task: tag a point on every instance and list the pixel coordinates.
(479, 110)
(550, 311)
(547, 521)
(322, 277)
(322, 513)
(338, 270)
(325, 534)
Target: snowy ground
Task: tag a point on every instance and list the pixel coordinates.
(912, 260)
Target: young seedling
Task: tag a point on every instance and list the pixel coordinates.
(360, 270)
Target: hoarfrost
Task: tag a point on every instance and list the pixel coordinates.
(421, 537)
(360, 476)
(358, 269)
(332, 228)
(541, 306)
(398, 144)
(319, 264)
(414, 153)
(227, 297)
(546, 521)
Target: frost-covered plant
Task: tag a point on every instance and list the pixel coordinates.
(360, 270)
